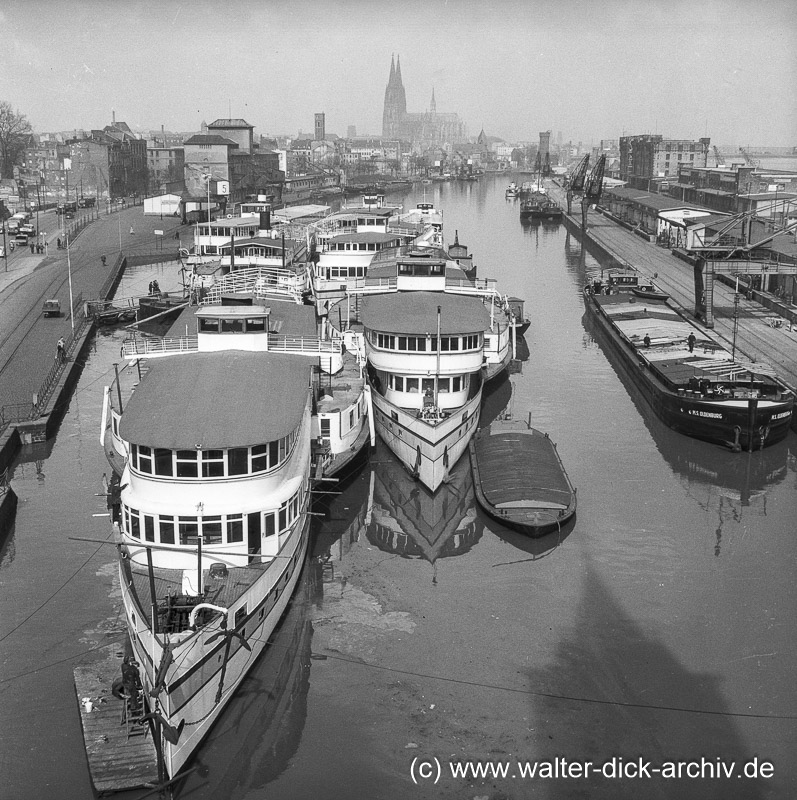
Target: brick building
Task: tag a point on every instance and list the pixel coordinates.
(650, 161)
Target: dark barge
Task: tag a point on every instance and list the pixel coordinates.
(692, 383)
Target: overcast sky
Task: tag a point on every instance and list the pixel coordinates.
(588, 68)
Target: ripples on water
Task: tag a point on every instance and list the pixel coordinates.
(422, 628)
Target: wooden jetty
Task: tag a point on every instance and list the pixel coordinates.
(519, 478)
(121, 752)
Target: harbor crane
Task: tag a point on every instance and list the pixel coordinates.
(720, 159)
(593, 189)
(732, 251)
(749, 160)
(575, 183)
(589, 186)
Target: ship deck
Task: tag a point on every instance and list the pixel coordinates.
(120, 757)
(219, 589)
(668, 352)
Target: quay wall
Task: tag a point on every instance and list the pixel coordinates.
(615, 259)
(45, 426)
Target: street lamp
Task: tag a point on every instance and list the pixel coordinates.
(69, 270)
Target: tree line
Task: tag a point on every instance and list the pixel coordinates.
(15, 132)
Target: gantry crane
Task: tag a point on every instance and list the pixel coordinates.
(750, 161)
(731, 253)
(593, 189)
(575, 183)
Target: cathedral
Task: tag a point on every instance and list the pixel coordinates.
(424, 130)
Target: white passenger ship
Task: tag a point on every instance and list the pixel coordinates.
(214, 453)
(432, 337)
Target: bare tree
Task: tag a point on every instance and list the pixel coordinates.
(14, 132)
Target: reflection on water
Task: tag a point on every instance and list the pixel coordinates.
(728, 485)
(408, 520)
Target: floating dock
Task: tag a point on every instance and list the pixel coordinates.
(121, 755)
(519, 478)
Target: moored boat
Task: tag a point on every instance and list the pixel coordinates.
(691, 381)
(213, 526)
(513, 190)
(519, 478)
(214, 453)
(540, 207)
(425, 358)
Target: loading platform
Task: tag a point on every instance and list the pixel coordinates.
(120, 749)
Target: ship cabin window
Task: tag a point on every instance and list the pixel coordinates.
(238, 460)
(421, 270)
(167, 529)
(145, 459)
(189, 530)
(427, 385)
(232, 325)
(135, 525)
(235, 527)
(240, 616)
(255, 325)
(186, 464)
(211, 463)
(421, 344)
(412, 385)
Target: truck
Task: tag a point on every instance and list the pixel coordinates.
(86, 202)
(17, 221)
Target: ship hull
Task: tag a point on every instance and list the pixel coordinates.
(427, 450)
(746, 424)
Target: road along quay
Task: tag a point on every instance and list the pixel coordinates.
(758, 326)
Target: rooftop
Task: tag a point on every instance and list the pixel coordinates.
(416, 313)
(217, 400)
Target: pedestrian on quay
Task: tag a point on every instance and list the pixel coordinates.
(32, 248)
(60, 350)
(58, 242)
(690, 340)
(646, 340)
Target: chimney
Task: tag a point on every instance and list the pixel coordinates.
(113, 118)
(265, 220)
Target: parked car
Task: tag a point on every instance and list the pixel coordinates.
(28, 228)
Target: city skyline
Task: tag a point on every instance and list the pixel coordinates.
(592, 71)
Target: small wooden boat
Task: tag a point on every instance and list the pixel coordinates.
(650, 291)
(115, 316)
(519, 478)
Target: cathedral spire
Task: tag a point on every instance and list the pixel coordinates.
(398, 70)
(391, 80)
(433, 104)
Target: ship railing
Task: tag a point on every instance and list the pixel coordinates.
(328, 351)
(482, 287)
(260, 281)
(153, 346)
(375, 286)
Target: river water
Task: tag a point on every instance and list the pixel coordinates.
(659, 627)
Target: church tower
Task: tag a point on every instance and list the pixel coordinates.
(395, 103)
(433, 104)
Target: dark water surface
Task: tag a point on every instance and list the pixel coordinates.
(659, 627)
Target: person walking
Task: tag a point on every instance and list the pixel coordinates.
(690, 340)
(60, 350)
